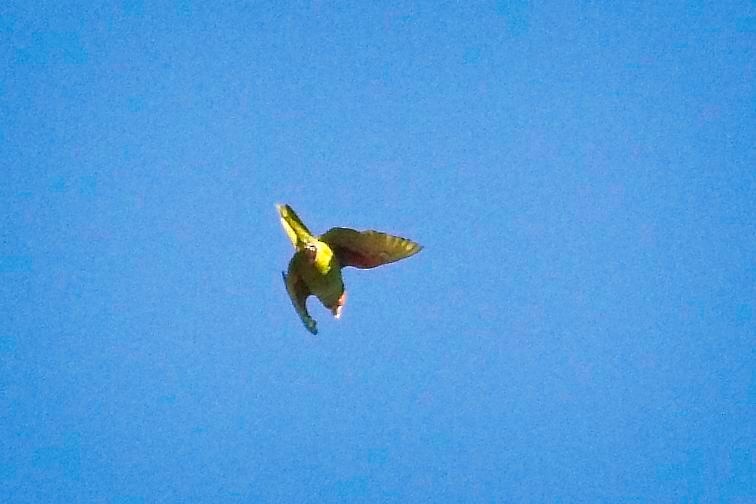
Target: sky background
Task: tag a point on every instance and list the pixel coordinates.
(579, 327)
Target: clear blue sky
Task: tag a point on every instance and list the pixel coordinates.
(579, 327)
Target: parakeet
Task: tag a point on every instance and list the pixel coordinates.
(316, 266)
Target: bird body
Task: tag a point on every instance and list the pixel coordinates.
(315, 268)
(322, 276)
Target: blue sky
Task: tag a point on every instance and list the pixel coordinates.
(578, 328)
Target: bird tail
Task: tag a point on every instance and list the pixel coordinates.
(293, 225)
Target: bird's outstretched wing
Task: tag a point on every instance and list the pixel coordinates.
(298, 292)
(368, 249)
(293, 225)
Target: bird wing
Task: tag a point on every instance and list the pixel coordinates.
(298, 293)
(293, 225)
(368, 249)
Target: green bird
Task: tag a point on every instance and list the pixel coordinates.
(316, 266)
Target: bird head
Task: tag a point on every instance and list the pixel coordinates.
(311, 252)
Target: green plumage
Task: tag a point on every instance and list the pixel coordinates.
(315, 268)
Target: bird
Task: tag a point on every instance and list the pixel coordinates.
(315, 268)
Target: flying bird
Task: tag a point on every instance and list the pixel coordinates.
(316, 266)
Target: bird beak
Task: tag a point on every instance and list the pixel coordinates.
(339, 306)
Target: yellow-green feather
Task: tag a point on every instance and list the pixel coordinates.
(294, 227)
(323, 276)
